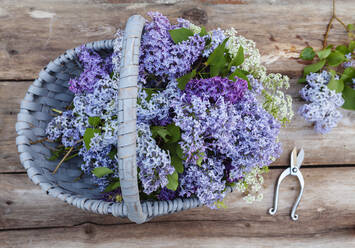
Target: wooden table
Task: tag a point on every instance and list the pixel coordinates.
(32, 32)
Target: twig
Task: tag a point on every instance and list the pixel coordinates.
(329, 26)
(39, 141)
(65, 156)
(63, 159)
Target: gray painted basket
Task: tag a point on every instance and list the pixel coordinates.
(49, 91)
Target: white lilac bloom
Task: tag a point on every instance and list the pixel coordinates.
(269, 85)
(323, 103)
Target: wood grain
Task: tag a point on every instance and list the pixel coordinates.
(327, 216)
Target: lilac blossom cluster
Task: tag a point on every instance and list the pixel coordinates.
(160, 56)
(63, 127)
(230, 135)
(153, 162)
(94, 67)
(322, 109)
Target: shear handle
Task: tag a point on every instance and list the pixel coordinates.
(294, 216)
(285, 173)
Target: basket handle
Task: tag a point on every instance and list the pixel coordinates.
(127, 116)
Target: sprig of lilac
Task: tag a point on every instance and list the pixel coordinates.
(323, 102)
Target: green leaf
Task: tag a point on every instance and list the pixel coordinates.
(89, 133)
(160, 131)
(302, 80)
(174, 133)
(181, 34)
(150, 92)
(201, 156)
(173, 181)
(350, 27)
(238, 59)
(101, 171)
(351, 45)
(217, 60)
(238, 73)
(337, 85)
(313, 67)
(183, 80)
(203, 31)
(307, 53)
(348, 74)
(323, 54)
(179, 152)
(220, 204)
(335, 58)
(349, 98)
(112, 186)
(112, 153)
(177, 163)
(94, 121)
(343, 49)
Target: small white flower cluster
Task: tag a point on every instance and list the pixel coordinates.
(275, 101)
(252, 58)
(251, 185)
(194, 28)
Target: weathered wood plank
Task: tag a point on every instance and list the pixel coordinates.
(11, 94)
(327, 217)
(327, 205)
(33, 32)
(183, 234)
(333, 148)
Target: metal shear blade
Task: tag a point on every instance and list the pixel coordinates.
(293, 170)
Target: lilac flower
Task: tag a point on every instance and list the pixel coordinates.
(215, 87)
(93, 158)
(94, 68)
(323, 102)
(350, 62)
(160, 56)
(166, 194)
(217, 36)
(154, 163)
(226, 124)
(62, 127)
(205, 181)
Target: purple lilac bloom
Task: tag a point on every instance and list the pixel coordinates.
(153, 162)
(231, 127)
(166, 194)
(93, 158)
(217, 37)
(216, 87)
(94, 68)
(63, 127)
(350, 62)
(163, 58)
(205, 181)
(323, 102)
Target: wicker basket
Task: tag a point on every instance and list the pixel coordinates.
(49, 91)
